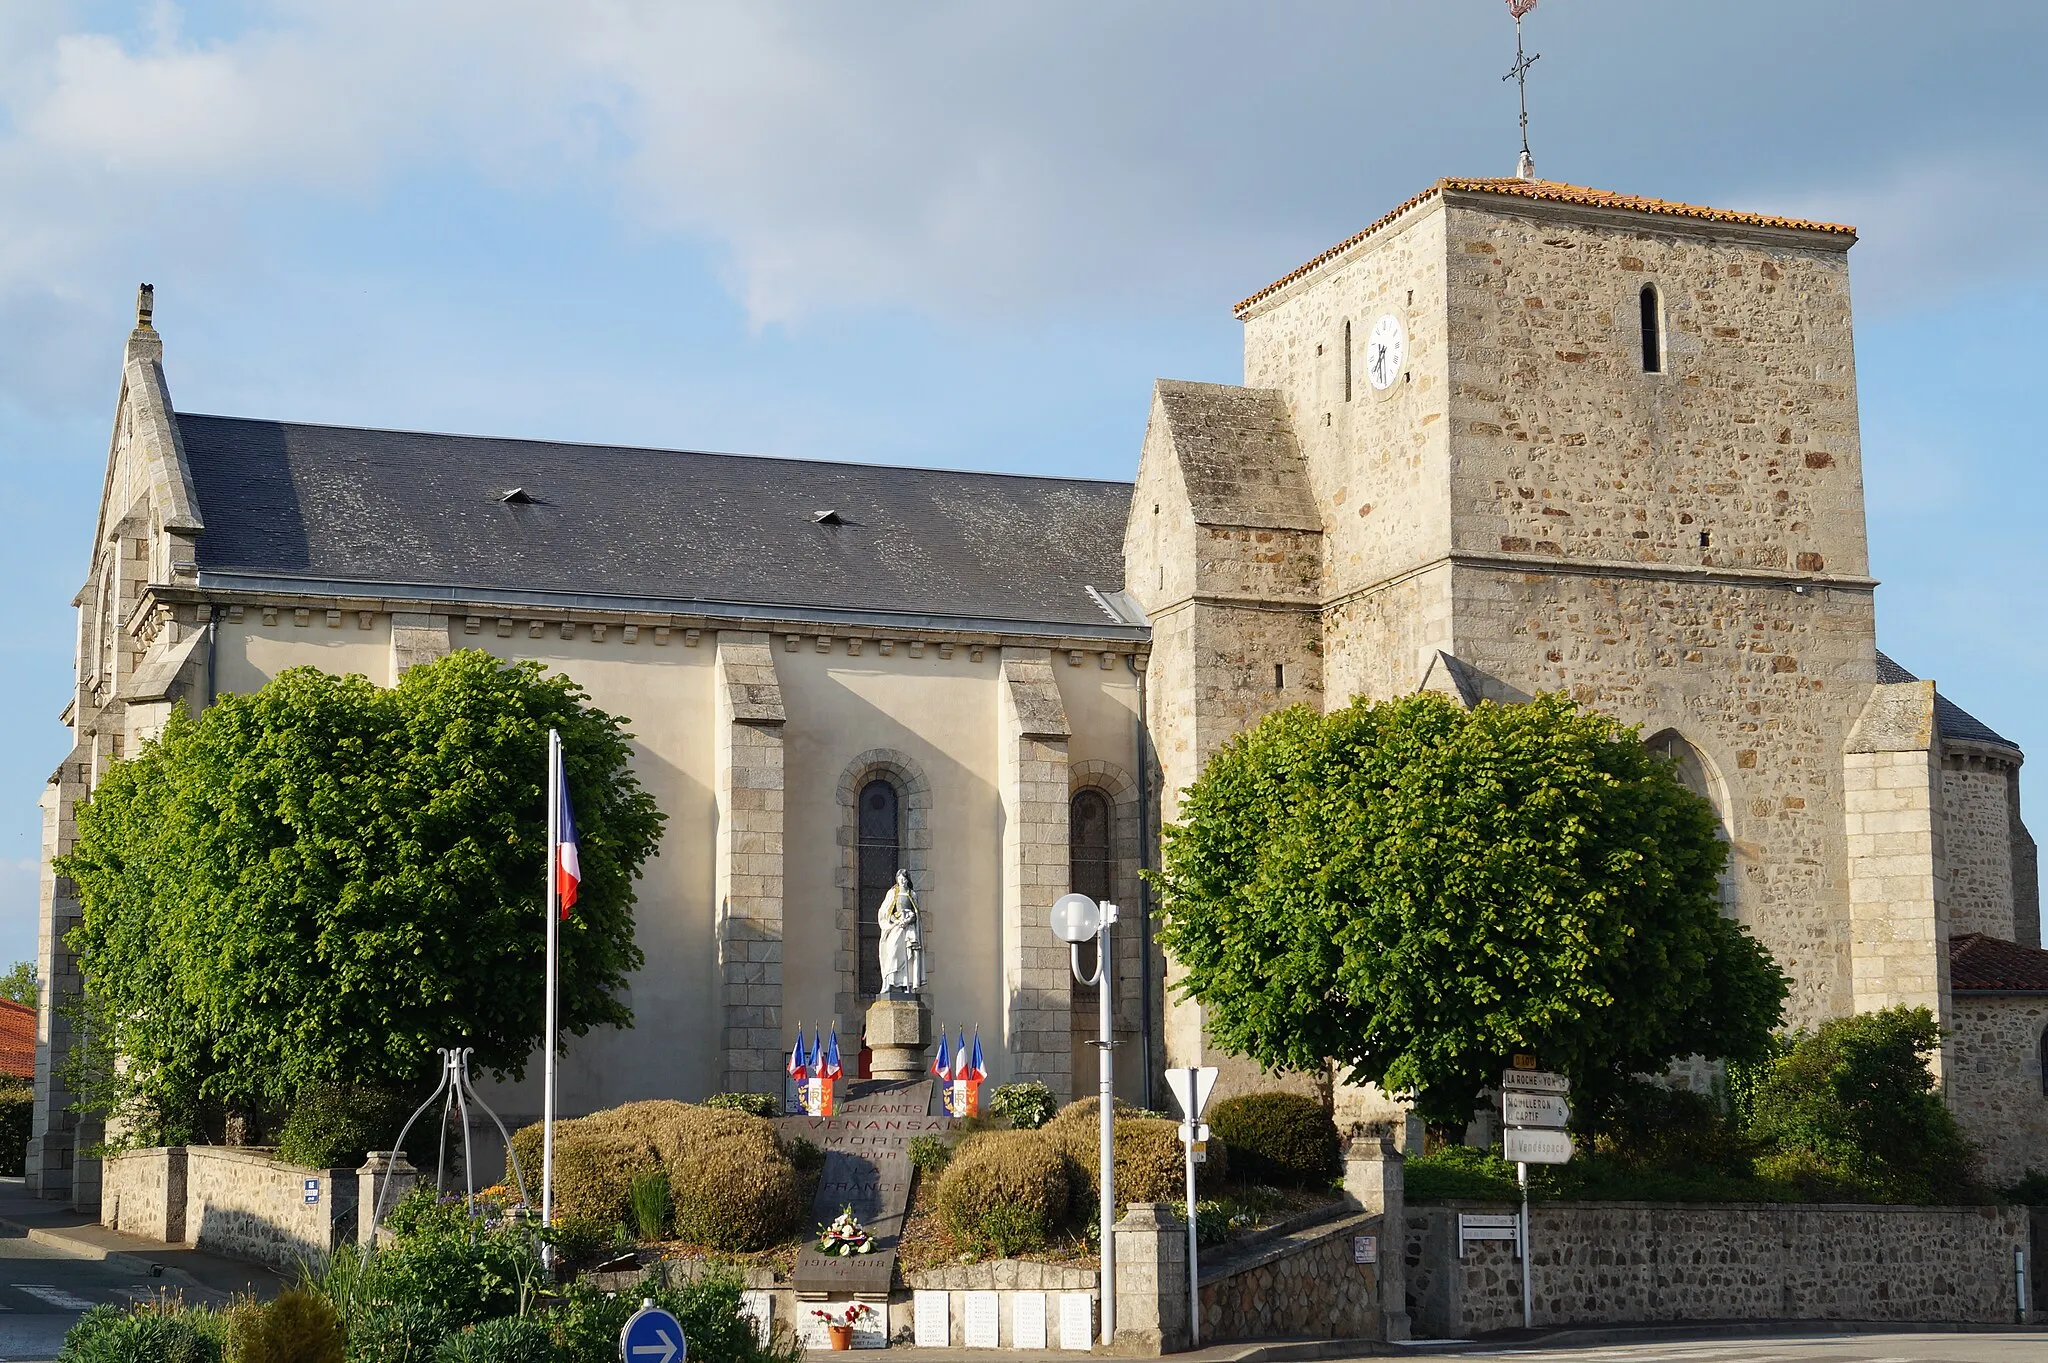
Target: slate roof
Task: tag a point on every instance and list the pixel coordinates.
(687, 529)
(1989, 965)
(1954, 721)
(1239, 459)
(1556, 192)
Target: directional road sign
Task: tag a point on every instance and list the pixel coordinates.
(1534, 1081)
(1191, 1088)
(1535, 1109)
(1526, 1146)
(652, 1336)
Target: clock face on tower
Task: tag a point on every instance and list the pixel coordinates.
(1386, 350)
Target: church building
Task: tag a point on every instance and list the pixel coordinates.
(1516, 436)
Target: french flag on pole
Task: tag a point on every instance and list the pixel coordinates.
(568, 869)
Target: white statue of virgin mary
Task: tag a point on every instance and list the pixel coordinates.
(902, 939)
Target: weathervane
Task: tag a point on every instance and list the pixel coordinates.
(1525, 169)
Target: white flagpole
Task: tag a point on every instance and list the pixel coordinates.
(547, 1117)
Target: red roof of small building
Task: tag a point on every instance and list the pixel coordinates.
(17, 1040)
(1988, 965)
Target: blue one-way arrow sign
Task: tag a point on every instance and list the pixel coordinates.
(652, 1336)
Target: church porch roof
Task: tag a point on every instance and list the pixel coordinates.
(1990, 965)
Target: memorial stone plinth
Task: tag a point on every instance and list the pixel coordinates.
(897, 1030)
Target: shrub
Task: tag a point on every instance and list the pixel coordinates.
(300, 1326)
(1650, 1127)
(1003, 1191)
(17, 1116)
(1025, 1106)
(930, 1154)
(2031, 1190)
(508, 1339)
(734, 1187)
(753, 1104)
(458, 1268)
(337, 1125)
(809, 1156)
(1150, 1160)
(595, 1164)
(1283, 1138)
(1459, 1171)
(579, 1239)
(650, 1199)
(732, 1183)
(1856, 1103)
(150, 1334)
(586, 1325)
(395, 1332)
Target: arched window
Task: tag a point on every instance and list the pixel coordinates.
(1689, 765)
(1088, 854)
(1347, 360)
(881, 856)
(1653, 330)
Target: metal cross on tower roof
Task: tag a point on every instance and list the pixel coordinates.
(1525, 168)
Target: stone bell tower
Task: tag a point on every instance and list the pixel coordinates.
(1519, 436)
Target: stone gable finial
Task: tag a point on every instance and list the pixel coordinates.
(145, 306)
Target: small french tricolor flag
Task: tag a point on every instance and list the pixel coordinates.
(568, 868)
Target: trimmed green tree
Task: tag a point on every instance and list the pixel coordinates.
(1418, 892)
(325, 880)
(1854, 1111)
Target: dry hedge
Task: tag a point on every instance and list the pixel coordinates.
(732, 1185)
(594, 1167)
(1150, 1165)
(1003, 1191)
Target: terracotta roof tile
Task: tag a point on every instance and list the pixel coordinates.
(17, 1040)
(1980, 964)
(1554, 192)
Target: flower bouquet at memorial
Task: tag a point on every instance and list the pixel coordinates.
(839, 1324)
(846, 1235)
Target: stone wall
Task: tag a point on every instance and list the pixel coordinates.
(1306, 1285)
(142, 1192)
(1977, 819)
(1628, 1262)
(245, 1204)
(1995, 1083)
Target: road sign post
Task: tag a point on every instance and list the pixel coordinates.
(1191, 1088)
(652, 1336)
(1533, 1115)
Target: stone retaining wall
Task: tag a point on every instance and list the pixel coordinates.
(142, 1192)
(1615, 1262)
(1305, 1285)
(235, 1201)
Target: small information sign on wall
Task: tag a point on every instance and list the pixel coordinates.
(312, 1191)
(1365, 1249)
(1077, 1321)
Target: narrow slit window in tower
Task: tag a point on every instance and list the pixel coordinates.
(1279, 676)
(1347, 361)
(1653, 330)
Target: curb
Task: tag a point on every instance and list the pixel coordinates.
(139, 1264)
(1594, 1336)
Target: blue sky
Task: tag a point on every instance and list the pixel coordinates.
(964, 234)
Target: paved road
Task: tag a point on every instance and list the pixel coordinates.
(43, 1291)
(1792, 1348)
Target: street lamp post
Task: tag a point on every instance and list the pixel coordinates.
(1075, 919)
